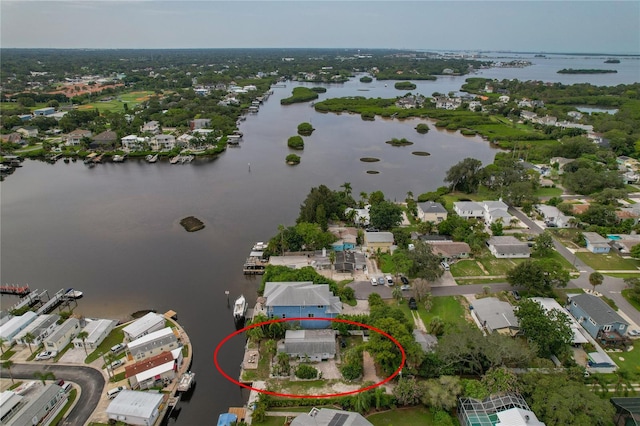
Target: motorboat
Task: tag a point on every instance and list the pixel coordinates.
(73, 294)
(151, 158)
(240, 308)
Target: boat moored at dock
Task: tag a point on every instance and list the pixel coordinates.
(73, 294)
(186, 381)
(240, 308)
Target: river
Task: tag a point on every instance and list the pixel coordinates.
(112, 231)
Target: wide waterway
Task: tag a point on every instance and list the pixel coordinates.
(112, 231)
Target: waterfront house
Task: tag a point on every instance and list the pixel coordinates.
(62, 335)
(199, 123)
(163, 142)
(152, 344)
(301, 300)
(450, 251)
(430, 211)
(105, 140)
(312, 345)
(494, 315)
(378, 240)
(330, 417)
(596, 243)
(469, 209)
(144, 325)
(40, 405)
(15, 325)
(40, 328)
(595, 316)
(360, 217)
(346, 242)
(136, 407)
(508, 246)
(75, 138)
(133, 142)
(152, 127)
(14, 137)
(97, 330)
(496, 211)
(154, 371)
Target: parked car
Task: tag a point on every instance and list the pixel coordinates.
(118, 348)
(412, 304)
(117, 363)
(46, 355)
(515, 294)
(381, 281)
(405, 287)
(634, 333)
(404, 280)
(445, 266)
(67, 387)
(374, 281)
(389, 279)
(115, 391)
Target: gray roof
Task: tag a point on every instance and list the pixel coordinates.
(495, 205)
(157, 339)
(426, 341)
(310, 342)
(432, 207)
(330, 417)
(63, 329)
(379, 237)
(301, 294)
(34, 406)
(468, 206)
(143, 324)
(596, 239)
(597, 309)
(507, 244)
(135, 403)
(496, 313)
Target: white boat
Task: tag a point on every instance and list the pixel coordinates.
(240, 308)
(73, 294)
(151, 158)
(186, 381)
(118, 158)
(175, 160)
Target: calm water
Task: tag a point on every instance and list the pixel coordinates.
(112, 231)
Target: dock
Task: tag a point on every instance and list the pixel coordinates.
(28, 300)
(16, 290)
(51, 304)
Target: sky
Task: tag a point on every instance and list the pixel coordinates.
(558, 26)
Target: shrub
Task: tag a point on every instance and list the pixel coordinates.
(295, 142)
(292, 159)
(405, 85)
(305, 129)
(305, 371)
(422, 128)
(368, 116)
(366, 79)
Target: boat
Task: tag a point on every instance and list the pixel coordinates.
(186, 381)
(240, 308)
(151, 158)
(73, 294)
(175, 160)
(118, 158)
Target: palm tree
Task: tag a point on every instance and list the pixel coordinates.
(397, 294)
(255, 334)
(44, 376)
(347, 188)
(364, 198)
(7, 365)
(83, 336)
(595, 279)
(29, 339)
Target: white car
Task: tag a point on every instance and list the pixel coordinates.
(374, 281)
(634, 333)
(46, 355)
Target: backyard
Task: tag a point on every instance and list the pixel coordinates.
(608, 262)
(403, 417)
(448, 308)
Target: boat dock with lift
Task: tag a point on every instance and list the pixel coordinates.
(256, 262)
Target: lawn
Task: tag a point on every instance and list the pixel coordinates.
(446, 307)
(497, 266)
(466, 268)
(631, 359)
(271, 421)
(626, 293)
(548, 192)
(469, 281)
(403, 417)
(608, 262)
(116, 336)
(117, 104)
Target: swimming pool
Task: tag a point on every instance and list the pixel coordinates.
(613, 237)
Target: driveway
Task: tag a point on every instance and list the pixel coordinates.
(363, 289)
(90, 381)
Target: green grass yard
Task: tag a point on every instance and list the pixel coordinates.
(448, 308)
(116, 336)
(628, 361)
(608, 262)
(418, 416)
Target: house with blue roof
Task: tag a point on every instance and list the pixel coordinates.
(301, 300)
(595, 316)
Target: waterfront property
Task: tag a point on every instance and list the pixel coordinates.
(378, 241)
(136, 407)
(469, 209)
(62, 335)
(508, 246)
(154, 371)
(596, 243)
(496, 211)
(595, 316)
(39, 406)
(430, 211)
(152, 344)
(301, 300)
(40, 328)
(144, 325)
(330, 417)
(495, 315)
(15, 325)
(75, 137)
(104, 141)
(314, 345)
(97, 330)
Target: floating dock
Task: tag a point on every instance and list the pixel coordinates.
(17, 290)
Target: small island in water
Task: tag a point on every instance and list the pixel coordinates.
(585, 71)
(192, 224)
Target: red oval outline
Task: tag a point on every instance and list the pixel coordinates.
(288, 395)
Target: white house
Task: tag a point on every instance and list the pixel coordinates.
(144, 325)
(508, 247)
(154, 371)
(133, 142)
(16, 324)
(163, 142)
(469, 209)
(151, 127)
(39, 406)
(135, 407)
(40, 328)
(62, 335)
(152, 344)
(430, 211)
(495, 211)
(97, 330)
(553, 217)
(75, 138)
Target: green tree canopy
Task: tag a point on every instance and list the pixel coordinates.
(385, 215)
(549, 331)
(539, 277)
(465, 176)
(425, 263)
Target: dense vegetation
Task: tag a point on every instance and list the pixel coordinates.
(305, 129)
(405, 85)
(295, 142)
(300, 94)
(292, 159)
(585, 71)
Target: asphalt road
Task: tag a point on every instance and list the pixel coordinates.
(90, 381)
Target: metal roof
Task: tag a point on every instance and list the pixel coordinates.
(63, 329)
(96, 328)
(135, 403)
(378, 237)
(330, 417)
(165, 333)
(310, 342)
(143, 324)
(496, 313)
(301, 294)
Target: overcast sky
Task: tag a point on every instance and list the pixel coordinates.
(533, 26)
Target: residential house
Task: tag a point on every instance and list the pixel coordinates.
(496, 211)
(10, 329)
(312, 345)
(62, 335)
(495, 315)
(427, 342)
(163, 142)
(199, 123)
(474, 105)
(450, 251)
(301, 300)
(75, 138)
(14, 137)
(330, 417)
(553, 217)
(136, 407)
(133, 142)
(360, 217)
(378, 241)
(40, 328)
(40, 406)
(106, 140)
(528, 115)
(154, 371)
(144, 325)
(184, 139)
(347, 241)
(596, 243)
(152, 127)
(504, 99)
(561, 161)
(430, 211)
(499, 410)
(550, 304)
(44, 111)
(469, 209)
(625, 243)
(28, 131)
(152, 344)
(97, 330)
(595, 316)
(448, 103)
(508, 247)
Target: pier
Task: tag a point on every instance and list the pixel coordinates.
(28, 300)
(17, 290)
(51, 304)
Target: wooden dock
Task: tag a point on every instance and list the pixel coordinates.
(51, 304)
(17, 290)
